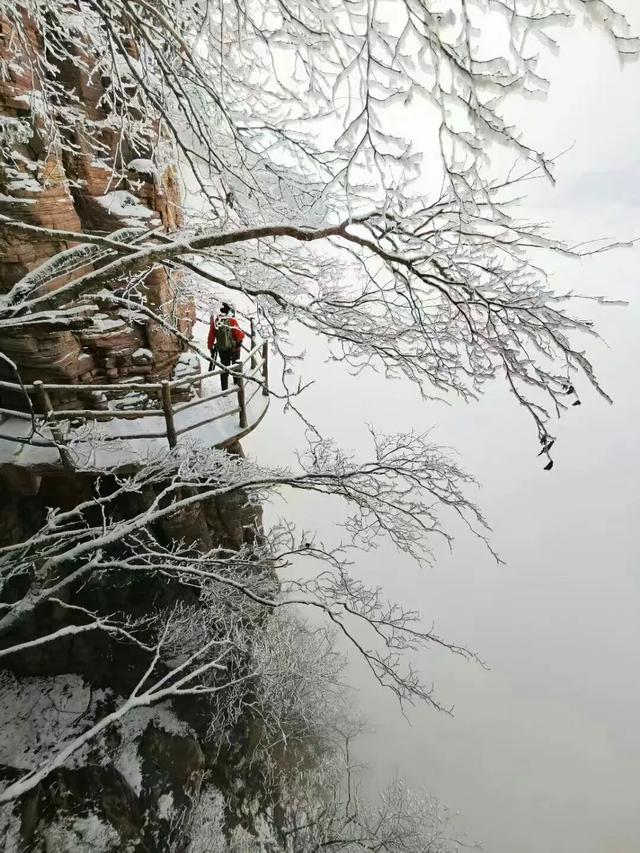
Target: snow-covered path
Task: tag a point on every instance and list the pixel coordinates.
(125, 444)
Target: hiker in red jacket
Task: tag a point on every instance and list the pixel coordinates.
(225, 339)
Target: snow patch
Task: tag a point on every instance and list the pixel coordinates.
(103, 323)
(40, 714)
(133, 400)
(187, 365)
(29, 164)
(128, 761)
(129, 315)
(165, 805)
(207, 822)
(24, 184)
(142, 356)
(10, 828)
(13, 130)
(7, 199)
(129, 765)
(144, 167)
(125, 205)
(75, 22)
(82, 835)
(135, 722)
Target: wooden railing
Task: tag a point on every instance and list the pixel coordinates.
(247, 377)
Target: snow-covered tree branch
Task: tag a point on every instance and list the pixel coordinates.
(402, 494)
(427, 271)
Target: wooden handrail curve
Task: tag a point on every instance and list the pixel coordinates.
(255, 359)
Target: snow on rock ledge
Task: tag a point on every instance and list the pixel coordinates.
(149, 763)
(126, 207)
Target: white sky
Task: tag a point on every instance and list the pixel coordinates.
(543, 752)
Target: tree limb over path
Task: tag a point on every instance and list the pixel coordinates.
(428, 272)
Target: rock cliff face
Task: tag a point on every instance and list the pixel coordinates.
(136, 789)
(141, 786)
(69, 185)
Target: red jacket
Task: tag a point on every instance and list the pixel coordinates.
(238, 334)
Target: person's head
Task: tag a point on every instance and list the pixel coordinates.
(225, 308)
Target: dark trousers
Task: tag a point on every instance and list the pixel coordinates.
(227, 358)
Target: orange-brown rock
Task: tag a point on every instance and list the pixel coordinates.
(75, 189)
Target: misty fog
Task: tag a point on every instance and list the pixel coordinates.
(542, 752)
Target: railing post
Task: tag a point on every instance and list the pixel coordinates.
(167, 407)
(252, 340)
(265, 369)
(242, 403)
(56, 432)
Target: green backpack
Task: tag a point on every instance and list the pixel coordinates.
(224, 335)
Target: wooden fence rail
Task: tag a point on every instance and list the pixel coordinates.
(257, 375)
